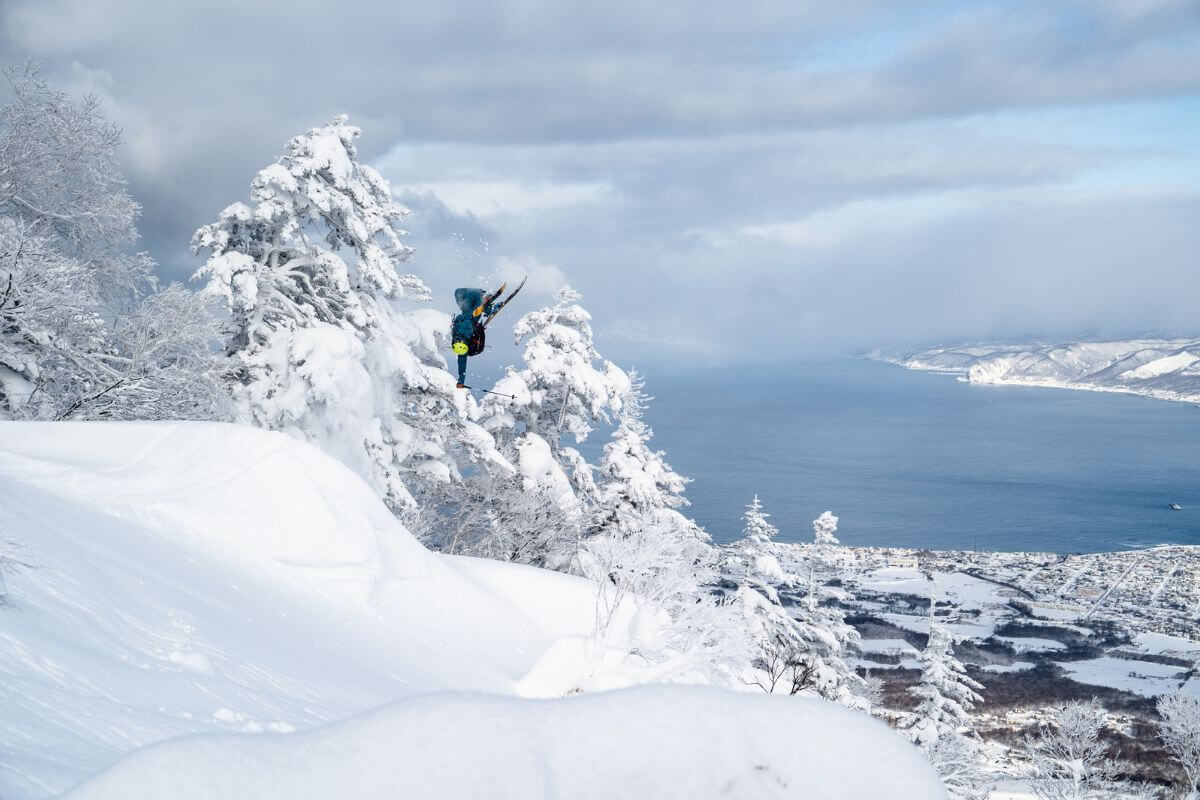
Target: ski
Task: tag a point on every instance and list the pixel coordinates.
(506, 301)
(487, 298)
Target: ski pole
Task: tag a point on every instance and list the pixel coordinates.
(489, 391)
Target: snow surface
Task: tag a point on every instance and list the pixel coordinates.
(887, 647)
(1162, 644)
(1016, 666)
(648, 742)
(1140, 677)
(1030, 644)
(200, 579)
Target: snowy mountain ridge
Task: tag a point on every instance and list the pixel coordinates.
(1166, 369)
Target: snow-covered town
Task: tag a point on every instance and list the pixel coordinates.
(1031, 628)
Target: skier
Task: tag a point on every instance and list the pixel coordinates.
(467, 331)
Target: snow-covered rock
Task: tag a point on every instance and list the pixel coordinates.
(658, 742)
(1167, 369)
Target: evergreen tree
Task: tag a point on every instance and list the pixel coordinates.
(945, 694)
(757, 530)
(563, 386)
(633, 482)
(317, 347)
(800, 647)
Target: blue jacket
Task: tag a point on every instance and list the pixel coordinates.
(468, 300)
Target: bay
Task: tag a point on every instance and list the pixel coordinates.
(909, 459)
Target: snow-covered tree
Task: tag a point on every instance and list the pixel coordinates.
(632, 483)
(1180, 732)
(317, 347)
(757, 530)
(961, 765)
(59, 175)
(824, 528)
(800, 647)
(654, 608)
(946, 693)
(563, 386)
(504, 516)
(84, 332)
(1069, 757)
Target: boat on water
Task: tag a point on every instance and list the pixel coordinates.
(1175, 507)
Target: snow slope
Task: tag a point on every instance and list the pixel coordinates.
(207, 577)
(204, 579)
(1167, 369)
(657, 742)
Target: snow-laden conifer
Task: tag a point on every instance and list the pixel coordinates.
(633, 482)
(757, 530)
(800, 647)
(946, 693)
(563, 387)
(309, 274)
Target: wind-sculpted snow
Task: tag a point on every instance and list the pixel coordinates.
(202, 577)
(198, 580)
(648, 742)
(1167, 369)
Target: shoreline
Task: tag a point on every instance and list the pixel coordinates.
(964, 373)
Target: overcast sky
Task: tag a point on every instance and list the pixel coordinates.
(733, 180)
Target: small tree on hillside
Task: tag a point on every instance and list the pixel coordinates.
(961, 766)
(632, 481)
(801, 647)
(757, 530)
(655, 608)
(945, 694)
(1180, 732)
(1069, 757)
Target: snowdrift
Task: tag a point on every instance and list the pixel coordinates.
(211, 581)
(202, 577)
(648, 742)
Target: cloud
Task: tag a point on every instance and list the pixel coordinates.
(543, 279)
(492, 199)
(836, 174)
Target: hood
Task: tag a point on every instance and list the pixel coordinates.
(468, 299)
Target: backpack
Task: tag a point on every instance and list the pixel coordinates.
(475, 342)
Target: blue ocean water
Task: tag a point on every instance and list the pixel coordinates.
(911, 459)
